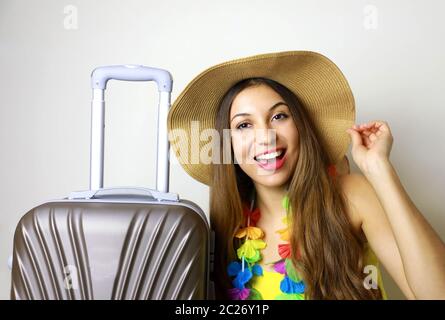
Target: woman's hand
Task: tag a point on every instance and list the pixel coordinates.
(371, 144)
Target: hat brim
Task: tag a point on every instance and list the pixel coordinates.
(318, 83)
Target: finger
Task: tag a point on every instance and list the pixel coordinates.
(366, 127)
(366, 133)
(383, 129)
(359, 128)
(372, 137)
(375, 127)
(357, 142)
(382, 125)
(367, 141)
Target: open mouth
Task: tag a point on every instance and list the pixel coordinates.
(271, 158)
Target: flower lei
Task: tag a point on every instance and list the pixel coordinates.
(291, 286)
(243, 271)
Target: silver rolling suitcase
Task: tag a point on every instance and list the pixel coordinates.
(115, 243)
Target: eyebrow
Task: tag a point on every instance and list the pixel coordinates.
(271, 108)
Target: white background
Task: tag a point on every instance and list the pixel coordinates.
(391, 52)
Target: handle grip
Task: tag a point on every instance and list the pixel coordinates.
(99, 78)
(131, 72)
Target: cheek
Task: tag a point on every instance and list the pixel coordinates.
(292, 136)
(240, 149)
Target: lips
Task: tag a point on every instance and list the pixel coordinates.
(273, 164)
(270, 151)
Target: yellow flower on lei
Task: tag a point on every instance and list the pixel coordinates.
(284, 233)
(251, 232)
(250, 248)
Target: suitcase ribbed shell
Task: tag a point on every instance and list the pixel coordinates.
(110, 250)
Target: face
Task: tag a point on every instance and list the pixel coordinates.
(260, 122)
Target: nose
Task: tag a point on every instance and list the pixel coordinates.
(265, 137)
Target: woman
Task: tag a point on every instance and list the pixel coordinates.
(287, 225)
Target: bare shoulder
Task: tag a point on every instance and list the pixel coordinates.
(355, 188)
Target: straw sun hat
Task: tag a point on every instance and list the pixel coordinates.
(318, 83)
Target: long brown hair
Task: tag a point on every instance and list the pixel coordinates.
(330, 251)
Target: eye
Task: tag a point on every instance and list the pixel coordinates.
(281, 114)
(240, 126)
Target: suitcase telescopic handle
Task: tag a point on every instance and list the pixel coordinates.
(99, 79)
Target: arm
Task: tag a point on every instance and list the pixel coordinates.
(365, 207)
(421, 251)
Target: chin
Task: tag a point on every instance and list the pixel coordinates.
(272, 180)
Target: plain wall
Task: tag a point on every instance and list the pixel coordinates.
(391, 52)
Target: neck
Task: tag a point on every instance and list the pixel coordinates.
(269, 200)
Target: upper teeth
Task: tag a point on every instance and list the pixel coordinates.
(270, 155)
